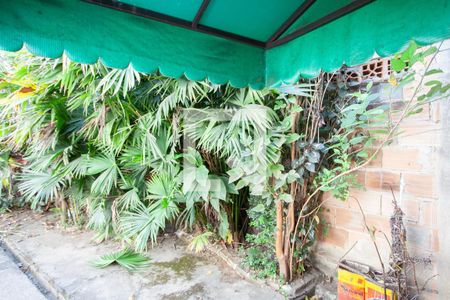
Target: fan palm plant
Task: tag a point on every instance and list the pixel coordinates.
(107, 144)
(147, 219)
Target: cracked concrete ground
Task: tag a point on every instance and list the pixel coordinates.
(63, 258)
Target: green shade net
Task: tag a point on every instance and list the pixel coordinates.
(183, 9)
(87, 33)
(257, 19)
(383, 27)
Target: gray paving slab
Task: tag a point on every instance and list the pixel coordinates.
(14, 284)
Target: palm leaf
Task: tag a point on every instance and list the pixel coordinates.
(200, 242)
(100, 217)
(130, 199)
(145, 222)
(40, 187)
(127, 258)
(108, 172)
(118, 79)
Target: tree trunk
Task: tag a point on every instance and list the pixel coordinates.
(282, 259)
(290, 218)
(63, 205)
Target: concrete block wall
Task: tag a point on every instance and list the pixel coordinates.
(412, 166)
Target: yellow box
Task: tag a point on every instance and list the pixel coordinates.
(375, 291)
(351, 286)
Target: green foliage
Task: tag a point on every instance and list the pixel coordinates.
(110, 148)
(260, 255)
(200, 242)
(146, 221)
(100, 217)
(199, 186)
(105, 145)
(127, 258)
(334, 135)
(9, 196)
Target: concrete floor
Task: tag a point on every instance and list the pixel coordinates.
(14, 284)
(64, 256)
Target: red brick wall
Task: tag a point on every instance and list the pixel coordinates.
(410, 166)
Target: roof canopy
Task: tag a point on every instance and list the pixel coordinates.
(254, 42)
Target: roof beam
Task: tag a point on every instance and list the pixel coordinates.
(320, 22)
(150, 14)
(294, 17)
(274, 40)
(200, 12)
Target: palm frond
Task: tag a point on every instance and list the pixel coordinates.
(127, 258)
(200, 242)
(39, 187)
(129, 200)
(119, 79)
(145, 222)
(107, 170)
(253, 116)
(100, 218)
(163, 186)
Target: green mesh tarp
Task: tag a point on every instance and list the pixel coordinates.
(87, 32)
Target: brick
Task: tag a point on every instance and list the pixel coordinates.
(331, 201)
(377, 161)
(383, 180)
(422, 116)
(419, 133)
(387, 207)
(379, 223)
(397, 158)
(354, 221)
(361, 178)
(390, 180)
(370, 201)
(420, 185)
(373, 180)
(426, 273)
(379, 137)
(335, 236)
(328, 214)
(429, 214)
(429, 159)
(408, 91)
(349, 220)
(364, 250)
(410, 206)
(411, 209)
